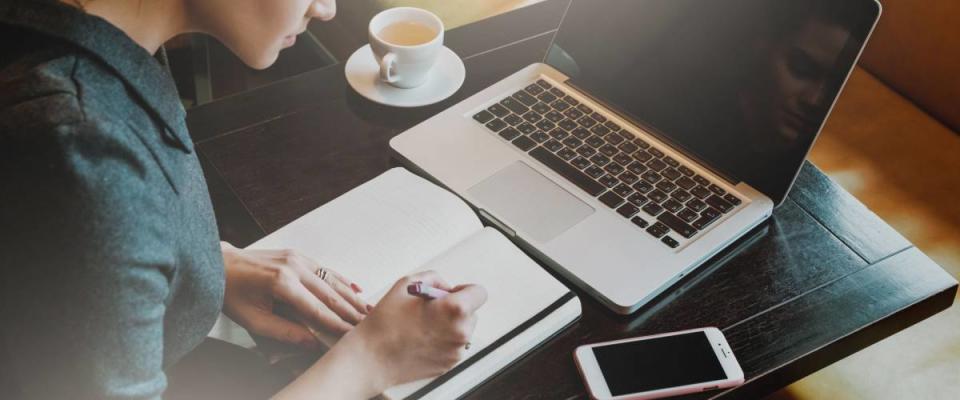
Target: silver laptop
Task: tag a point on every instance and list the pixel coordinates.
(653, 134)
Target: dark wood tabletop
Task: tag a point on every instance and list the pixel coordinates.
(822, 279)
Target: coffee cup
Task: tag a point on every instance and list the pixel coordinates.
(406, 42)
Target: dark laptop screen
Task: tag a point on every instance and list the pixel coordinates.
(743, 85)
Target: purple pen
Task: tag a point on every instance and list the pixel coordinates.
(427, 292)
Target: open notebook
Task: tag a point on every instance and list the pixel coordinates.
(399, 223)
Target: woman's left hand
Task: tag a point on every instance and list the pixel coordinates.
(257, 281)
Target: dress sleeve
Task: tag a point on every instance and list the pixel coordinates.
(88, 268)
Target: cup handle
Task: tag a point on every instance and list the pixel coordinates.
(387, 64)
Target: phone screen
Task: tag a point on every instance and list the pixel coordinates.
(658, 363)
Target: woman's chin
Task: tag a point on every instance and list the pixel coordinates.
(263, 61)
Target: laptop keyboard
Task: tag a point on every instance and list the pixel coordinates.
(656, 192)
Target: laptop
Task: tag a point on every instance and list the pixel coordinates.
(653, 134)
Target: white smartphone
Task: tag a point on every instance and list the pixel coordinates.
(651, 367)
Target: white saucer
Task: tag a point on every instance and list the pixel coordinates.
(446, 77)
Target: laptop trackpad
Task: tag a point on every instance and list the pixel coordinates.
(527, 201)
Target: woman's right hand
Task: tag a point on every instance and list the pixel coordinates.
(413, 338)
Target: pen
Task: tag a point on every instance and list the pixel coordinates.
(426, 292)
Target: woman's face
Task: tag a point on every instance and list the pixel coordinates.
(256, 30)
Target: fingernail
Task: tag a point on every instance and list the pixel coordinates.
(355, 287)
(369, 308)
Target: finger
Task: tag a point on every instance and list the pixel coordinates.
(464, 300)
(342, 286)
(431, 278)
(352, 285)
(267, 324)
(334, 299)
(309, 306)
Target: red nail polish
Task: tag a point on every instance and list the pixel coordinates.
(369, 308)
(355, 287)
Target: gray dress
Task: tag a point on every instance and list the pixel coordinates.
(111, 268)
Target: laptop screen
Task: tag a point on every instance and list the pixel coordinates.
(742, 85)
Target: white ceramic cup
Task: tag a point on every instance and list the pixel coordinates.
(405, 66)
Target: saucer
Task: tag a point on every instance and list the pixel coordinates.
(446, 77)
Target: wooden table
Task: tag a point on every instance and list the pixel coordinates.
(822, 279)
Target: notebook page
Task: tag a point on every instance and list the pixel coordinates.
(379, 231)
(517, 288)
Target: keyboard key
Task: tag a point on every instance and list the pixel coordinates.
(586, 151)
(656, 164)
(658, 230)
(534, 89)
(572, 142)
(651, 177)
(525, 98)
(628, 178)
(701, 180)
(637, 168)
(701, 192)
(595, 141)
(565, 170)
(568, 124)
(685, 183)
(681, 195)
(703, 222)
(544, 84)
(559, 134)
(628, 210)
(671, 174)
(732, 199)
(540, 136)
(696, 205)
(532, 117)
(600, 160)
(657, 196)
(666, 186)
(570, 99)
(599, 130)
(671, 162)
(623, 190)
(496, 125)
(614, 138)
(526, 128)
(545, 125)
(656, 153)
(688, 215)
(611, 200)
(546, 97)
(670, 242)
(595, 172)
(642, 156)
(642, 143)
(554, 116)
(513, 105)
(585, 109)
(643, 187)
(614, 169)
(580, 133)
(684, 170)
(560, 105)
(513, 119)
(628, 147)
(573, 114)
(612, 126)
(557, 92)
(710, 213)
(719, 203)
(622, 159)
(524, 143)
(586, 122)
(677, 225)
(718, 190)
(566, 154)
(580, 162)
(672, 205)
(599, 117)
(541, 108)
(553, 145)
(498, 110)
(609, 181)
(652, 208)
(483, 116)
(640, 222)
(639, 200)
(509, 133)
(609, 150)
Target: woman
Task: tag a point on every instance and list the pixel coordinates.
(113, 270)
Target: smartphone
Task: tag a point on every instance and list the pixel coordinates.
(651, 367)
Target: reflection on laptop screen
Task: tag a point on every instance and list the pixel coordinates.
(743, 85)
